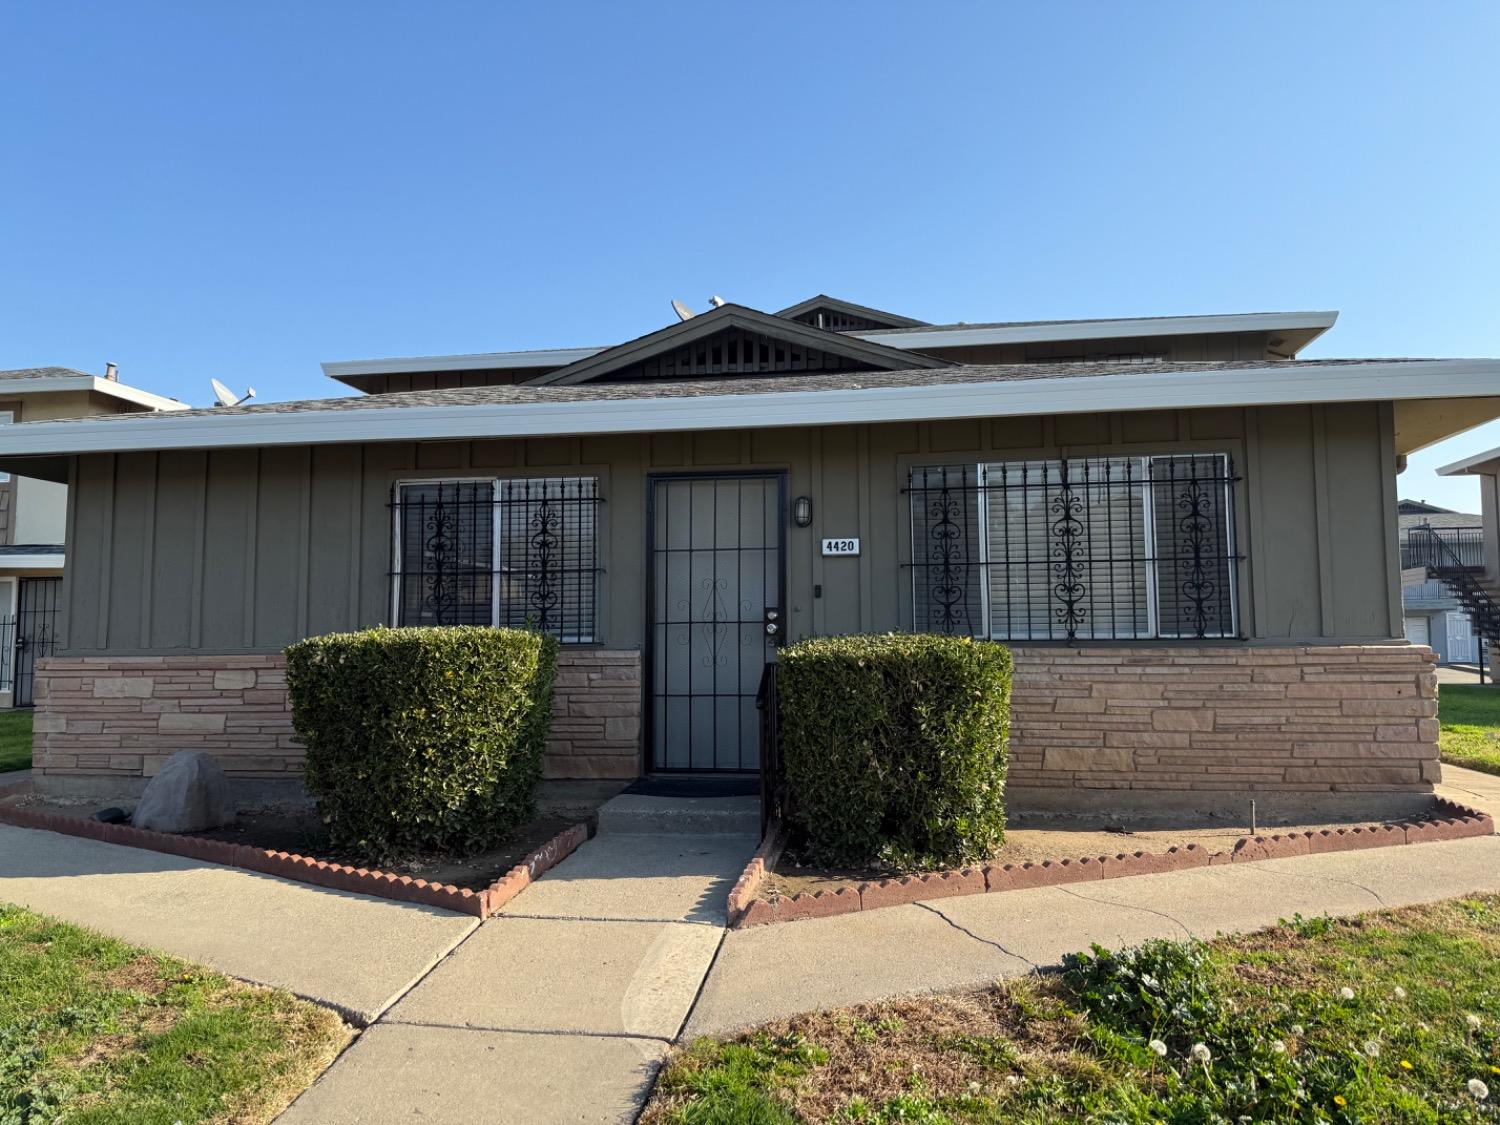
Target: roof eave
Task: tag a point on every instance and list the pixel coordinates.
(1310, 324)
(1274, 384)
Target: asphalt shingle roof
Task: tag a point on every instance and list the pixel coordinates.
(524, 394)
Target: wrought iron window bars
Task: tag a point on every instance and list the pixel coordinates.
(521, 552)
(1102, 548)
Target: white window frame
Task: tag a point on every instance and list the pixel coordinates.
(496, 543)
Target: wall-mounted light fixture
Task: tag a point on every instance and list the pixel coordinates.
(802, 511)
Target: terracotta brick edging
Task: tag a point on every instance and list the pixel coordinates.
(307, 869)
(1450, 821)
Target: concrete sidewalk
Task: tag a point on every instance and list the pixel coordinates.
(1470, 787)
(558, 1009)
(351, 952)
(774, 971)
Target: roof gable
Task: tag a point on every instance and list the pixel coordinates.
(844, 316)
(734, 340)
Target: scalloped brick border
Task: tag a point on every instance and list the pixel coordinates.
(308, 869)
(1450, 821)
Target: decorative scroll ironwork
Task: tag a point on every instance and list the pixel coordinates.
(1070, 563)
(949, 554)
(518, 552)
(1100, 548)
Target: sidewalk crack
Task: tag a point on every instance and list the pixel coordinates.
(1128, 906)
(983, 941)
(1336, 879)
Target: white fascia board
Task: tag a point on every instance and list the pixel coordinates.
(1461, 468)
(59, 383)
(31, 562)
(1271, 385)
(543, 357)
(958, 337)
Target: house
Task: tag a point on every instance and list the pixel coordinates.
(33, 513)
(1187, 535)
(1432, 610)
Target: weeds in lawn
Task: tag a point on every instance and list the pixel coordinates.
(1393, 1017)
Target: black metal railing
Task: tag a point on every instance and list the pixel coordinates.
(772, 776)
(1106, 548)
(521, 552)
(1466, 545)
(1452, 566)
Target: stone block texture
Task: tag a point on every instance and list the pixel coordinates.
(126, 715)
(1205, 718)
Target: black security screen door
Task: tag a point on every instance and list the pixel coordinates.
(716, 614)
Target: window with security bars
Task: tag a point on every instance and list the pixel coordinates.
(519, 552)
(1098, 548)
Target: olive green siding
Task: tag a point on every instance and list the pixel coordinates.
(246, 551)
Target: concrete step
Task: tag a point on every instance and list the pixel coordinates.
(636, 814)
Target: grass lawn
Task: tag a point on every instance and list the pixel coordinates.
(1470, 726)
(1257, 1028)
(15, 740)
(95, 1031)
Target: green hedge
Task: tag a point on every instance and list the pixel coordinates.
(895, 747)
(422, 739)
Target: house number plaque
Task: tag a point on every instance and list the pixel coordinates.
(841, 546)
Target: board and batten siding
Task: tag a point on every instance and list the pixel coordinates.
(245, 551)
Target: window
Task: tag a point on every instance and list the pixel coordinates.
(1099, 548)
(520, 552)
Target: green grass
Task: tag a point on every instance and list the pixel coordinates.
(1469, 716)
(15, 740)
(1420, 1022)
(94, 1031)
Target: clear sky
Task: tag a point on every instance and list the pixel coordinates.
(244, 190)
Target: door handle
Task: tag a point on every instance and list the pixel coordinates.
(773, 622)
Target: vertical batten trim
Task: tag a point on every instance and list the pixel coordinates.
(70, 536)
(1321, 512)
(862, 482)
(1256, 549)
(1386, 429)
(151, 519)
(304, 545)
(252, 551)
(356, 537)
(815, 447)
(106, 549)
(200, 545)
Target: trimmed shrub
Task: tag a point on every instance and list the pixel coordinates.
(423, 739)
(895, 747)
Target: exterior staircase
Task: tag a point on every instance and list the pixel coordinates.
(1459, 565)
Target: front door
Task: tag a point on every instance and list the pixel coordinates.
(715, 614)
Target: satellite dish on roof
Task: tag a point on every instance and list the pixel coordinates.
(682, 311)
(226, 397)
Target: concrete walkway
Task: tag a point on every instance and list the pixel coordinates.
(558, 1009)
(1473, 788)
(352, 952)
(775, 971)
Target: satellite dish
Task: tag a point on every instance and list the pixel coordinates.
(716, 301)
(682, 311)
(226, 397)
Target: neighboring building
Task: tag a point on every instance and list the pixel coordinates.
(1433, 615)
(33, 513)
(1188, 537)
(1477, 582)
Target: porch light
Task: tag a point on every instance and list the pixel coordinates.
(802, 511)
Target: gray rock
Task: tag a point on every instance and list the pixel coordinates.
(189, 794)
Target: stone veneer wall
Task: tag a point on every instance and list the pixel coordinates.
(1222, 719)
(121, 717)
(1088, 723)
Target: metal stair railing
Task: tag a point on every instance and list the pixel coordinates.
(1428, 549)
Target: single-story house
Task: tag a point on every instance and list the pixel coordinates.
(1187, 535)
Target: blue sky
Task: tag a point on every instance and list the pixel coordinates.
(242, 191)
